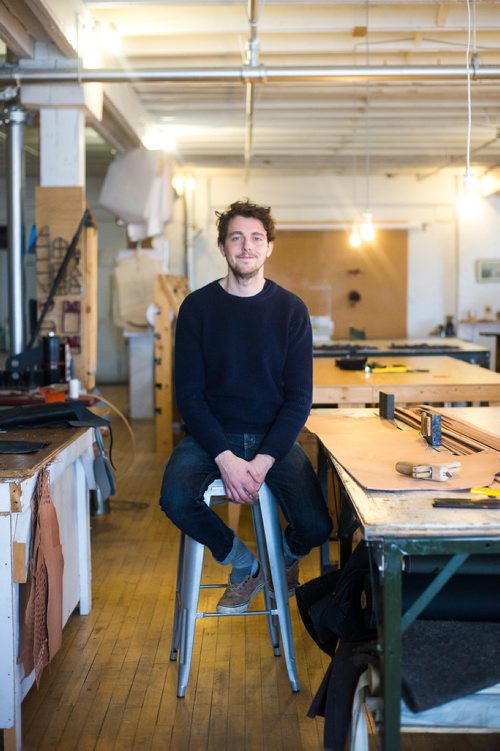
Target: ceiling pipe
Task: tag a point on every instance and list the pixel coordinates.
(245, 74)
(251, 60)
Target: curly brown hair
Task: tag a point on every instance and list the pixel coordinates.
(244, 208)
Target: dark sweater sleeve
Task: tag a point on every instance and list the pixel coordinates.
(190, 382)
(297, 387)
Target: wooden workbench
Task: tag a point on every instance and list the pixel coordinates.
(68, 457)
(22, 466)
(447, 380)
(400, 524)
(430, 347)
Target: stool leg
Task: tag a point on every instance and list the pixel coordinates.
(191, 580)
(272, 621)
(272, 532)
(176, 633)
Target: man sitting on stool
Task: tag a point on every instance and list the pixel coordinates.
(243, 381)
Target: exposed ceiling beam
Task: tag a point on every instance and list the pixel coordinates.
(14, 33)
(442, 13)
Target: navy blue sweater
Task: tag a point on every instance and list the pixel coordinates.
(243, 365)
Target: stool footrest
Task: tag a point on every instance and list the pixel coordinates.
(232, 615)
(213, 586)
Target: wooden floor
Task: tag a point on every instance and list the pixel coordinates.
(112, 686)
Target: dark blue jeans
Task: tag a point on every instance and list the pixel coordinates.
(292, 480)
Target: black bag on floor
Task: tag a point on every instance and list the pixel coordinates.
(332, 606)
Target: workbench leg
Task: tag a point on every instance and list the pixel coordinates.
(391, 647)
(10, 700)
(324, 550)
(348, 524)
(83, 522)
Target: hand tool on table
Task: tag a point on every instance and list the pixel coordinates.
(490, 492)
(438, 472)
(386, 404)
(466, 503)
(376, 367)
(430, 428)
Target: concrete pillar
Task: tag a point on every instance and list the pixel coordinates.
(62, 147)
(63, 112)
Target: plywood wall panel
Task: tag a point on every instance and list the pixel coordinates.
(322, 268)
(73, 315)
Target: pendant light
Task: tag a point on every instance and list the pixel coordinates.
(468, 201)
(363, 229)
(367, 229)
(354, 236)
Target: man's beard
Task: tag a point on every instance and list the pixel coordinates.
(243, 274)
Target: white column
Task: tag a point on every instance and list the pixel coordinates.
(62, 147)
(64, 109)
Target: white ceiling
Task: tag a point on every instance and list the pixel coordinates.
(415, 126)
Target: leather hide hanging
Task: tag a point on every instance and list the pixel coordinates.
(41, 627)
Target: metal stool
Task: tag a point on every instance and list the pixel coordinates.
(270, 552)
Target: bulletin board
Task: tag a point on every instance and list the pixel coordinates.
(321, 267)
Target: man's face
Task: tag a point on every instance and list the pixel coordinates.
(246, 247)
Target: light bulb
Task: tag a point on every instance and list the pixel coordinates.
(469, 199)
(354, 237)
(367, 228)
(178, 184)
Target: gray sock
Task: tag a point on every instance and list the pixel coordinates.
(243, 561)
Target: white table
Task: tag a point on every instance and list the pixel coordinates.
(69, 457)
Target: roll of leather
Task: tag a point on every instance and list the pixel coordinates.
(428, 564)
(466, 597)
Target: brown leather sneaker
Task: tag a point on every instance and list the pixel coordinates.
(238, 597)
(292, 579)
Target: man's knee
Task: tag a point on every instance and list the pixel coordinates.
(313, 529)
(188, 473)
(174, 494)
(320, 530)
(171, 501)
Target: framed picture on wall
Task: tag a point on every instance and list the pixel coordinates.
(488, 270)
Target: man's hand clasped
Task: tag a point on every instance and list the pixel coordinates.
(243, 479)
